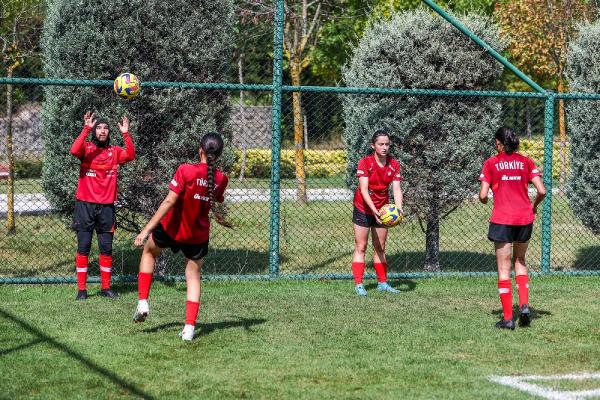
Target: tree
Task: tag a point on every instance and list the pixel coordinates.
(20, 28)
(441, 141)
(159, 41)
(583, 70)
(301, 32)
(539, 33)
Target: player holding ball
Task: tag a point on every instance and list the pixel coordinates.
(375, 173)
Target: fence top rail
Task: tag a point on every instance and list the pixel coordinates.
(156, 84)
(317, 89)
(414, 92)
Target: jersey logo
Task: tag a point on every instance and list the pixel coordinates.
(482, 176)
(173, 182)
(536, 171)
(200, 197)
(91, 173)
(360, 171)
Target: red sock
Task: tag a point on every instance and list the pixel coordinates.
(81, 266)
(144, 282)
(505, 290)
(358, 270)
(523, 289)
(105, 262)
(191, 312)
(381, 271)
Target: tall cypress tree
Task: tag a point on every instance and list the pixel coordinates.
(177, 40)
(441, 141)
(583, 186)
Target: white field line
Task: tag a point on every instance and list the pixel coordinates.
(520, 382)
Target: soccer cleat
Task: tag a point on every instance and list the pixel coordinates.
(141, 312)
(109, 293)
(360, 290)
(505, 324)
(188, 332)
(81, 295)
(385, 287)
(524, 316)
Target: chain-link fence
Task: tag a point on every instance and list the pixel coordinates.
(291, 160)
(312, 228)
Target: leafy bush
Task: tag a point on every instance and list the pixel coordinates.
(318, 163)
(25, 168)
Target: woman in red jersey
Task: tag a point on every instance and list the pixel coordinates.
(182, 223)
(508, 174)
(375, 173)
(96, 196)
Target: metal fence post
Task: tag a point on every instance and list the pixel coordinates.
(547, 206)
(276, 138)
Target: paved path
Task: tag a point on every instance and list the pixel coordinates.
(36, 203)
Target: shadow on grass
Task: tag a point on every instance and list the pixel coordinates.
(206, 329)
(314, 268)
(404, 285)
(450, 261)
(218, 262)
(588, 258)
(43, 338)
(536, 313)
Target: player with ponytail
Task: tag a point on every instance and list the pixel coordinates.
(182, 223)
(508, 174)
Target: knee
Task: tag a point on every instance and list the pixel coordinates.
(360, 247)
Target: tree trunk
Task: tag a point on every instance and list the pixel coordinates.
(562, 124)
(10, 214)
(528, 118)
(295, 68)
(432, 237)
(242, 120)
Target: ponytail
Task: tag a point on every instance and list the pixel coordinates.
(212, 145)
(508, 138)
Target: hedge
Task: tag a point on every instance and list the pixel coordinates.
(328, 163)
(318, 163)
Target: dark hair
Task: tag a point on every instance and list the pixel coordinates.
(508, 138)
(95, 140)
(379, 132)
(212, 145)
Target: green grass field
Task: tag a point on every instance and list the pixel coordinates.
(289, 340)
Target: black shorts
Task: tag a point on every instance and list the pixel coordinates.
(191, 251)
(88, 217)
(365, 220)
(510, 233)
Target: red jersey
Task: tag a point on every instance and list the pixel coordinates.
(509, 176)
(379, 181)
(187, 221)
(99, 168)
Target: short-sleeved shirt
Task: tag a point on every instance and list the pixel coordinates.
(188, 221)
(509, 176)
(379, 181)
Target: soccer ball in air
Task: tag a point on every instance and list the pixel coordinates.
(127, 85)
(390, 215)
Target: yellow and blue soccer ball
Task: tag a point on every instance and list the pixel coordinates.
(127, 85)
(390, 215)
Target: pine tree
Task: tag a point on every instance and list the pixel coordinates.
(583, 70)
(178, 40)
(441, 142)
